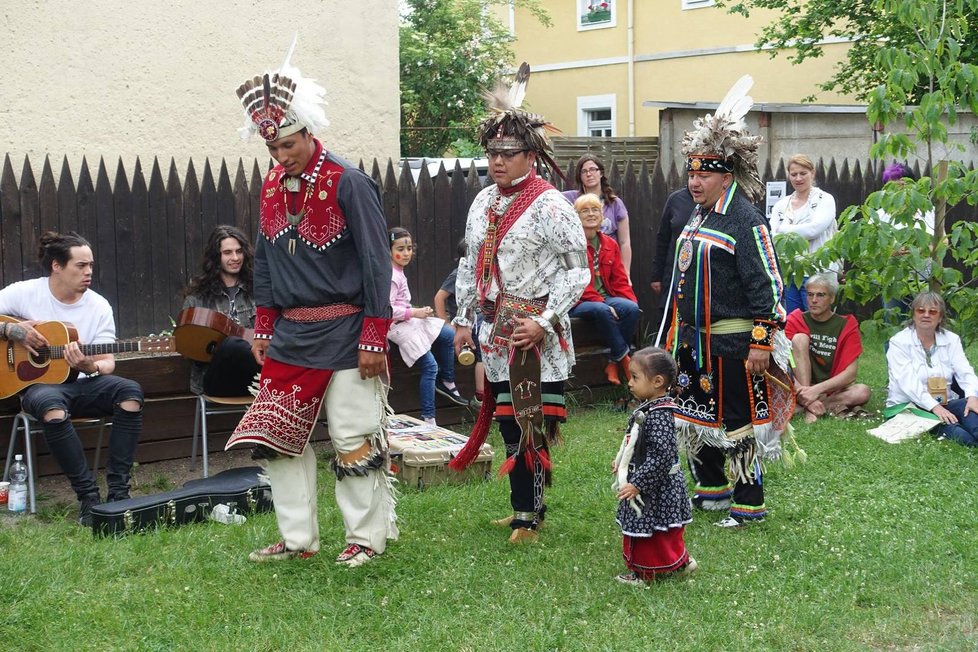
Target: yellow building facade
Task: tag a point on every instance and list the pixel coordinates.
(601, 59)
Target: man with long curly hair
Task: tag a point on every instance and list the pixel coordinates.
(224, 285)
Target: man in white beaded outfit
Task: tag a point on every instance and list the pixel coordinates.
(525, 268)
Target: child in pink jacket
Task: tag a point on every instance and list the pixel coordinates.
(422, 339)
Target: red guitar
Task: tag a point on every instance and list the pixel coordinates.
(21, 369)
(200, 330)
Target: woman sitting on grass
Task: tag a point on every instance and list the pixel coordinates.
(923, 360)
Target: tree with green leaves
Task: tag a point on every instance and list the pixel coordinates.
(803, 27)
(896, 257)
(450, 51)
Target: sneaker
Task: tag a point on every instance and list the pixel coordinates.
(611, 371)
(278, 552)
(631, 579)
(451, 394)
(708, 505)
(355, 555)
(734, 522)
(85, 506)
(626, 366)
(117, 495)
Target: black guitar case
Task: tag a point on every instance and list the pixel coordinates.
(193, 502)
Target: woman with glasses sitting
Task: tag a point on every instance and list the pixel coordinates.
(589, 177)
(923, 360)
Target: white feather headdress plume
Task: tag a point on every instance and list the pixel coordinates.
(281, 102)
(736, 103)
(723, 137)
(518, 90)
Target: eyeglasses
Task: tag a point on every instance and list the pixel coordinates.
(817, 295)
(589, 209)
(920, 310)
(590, 170)
(506, 155)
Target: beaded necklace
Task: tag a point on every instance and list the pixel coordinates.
(298, 211)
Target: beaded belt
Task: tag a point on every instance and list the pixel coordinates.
(488, 308)
(321, 313)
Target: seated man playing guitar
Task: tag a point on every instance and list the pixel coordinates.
(223, 292)
(64, 296)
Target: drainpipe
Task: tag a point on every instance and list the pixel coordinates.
(631, 67)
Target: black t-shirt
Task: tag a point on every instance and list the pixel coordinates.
(451, 306)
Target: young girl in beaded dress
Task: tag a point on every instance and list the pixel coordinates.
(654, 505)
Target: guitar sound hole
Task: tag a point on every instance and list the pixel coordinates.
(42, 358)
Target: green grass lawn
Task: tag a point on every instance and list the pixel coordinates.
(868, 546)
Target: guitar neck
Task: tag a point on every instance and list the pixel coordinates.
(97, 349)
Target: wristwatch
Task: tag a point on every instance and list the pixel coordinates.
(550, 316)
(96, 373)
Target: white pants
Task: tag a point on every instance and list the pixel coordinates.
(354, 408)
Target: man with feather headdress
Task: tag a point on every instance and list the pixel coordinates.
(526, 266)
(727, 318)
(322, 278)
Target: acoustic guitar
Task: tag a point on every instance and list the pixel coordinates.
(20, 368)
(200, 330)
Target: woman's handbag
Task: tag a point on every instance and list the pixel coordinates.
(937, 387)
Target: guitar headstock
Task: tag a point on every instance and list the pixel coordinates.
(157, 345)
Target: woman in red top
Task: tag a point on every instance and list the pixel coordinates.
(608, 302)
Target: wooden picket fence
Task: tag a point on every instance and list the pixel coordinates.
(148, 230)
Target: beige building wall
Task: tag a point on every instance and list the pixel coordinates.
(677, 55)
(111, 78)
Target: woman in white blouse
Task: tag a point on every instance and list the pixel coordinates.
(809, 212)
(923, 359)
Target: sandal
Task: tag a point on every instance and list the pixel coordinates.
(845, 414)
(859, 412)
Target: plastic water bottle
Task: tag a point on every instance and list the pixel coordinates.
(227, 513)
(17, 500)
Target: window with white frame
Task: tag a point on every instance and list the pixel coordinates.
(596, 115)
(595, 14)
(697, 4)
(599, 122)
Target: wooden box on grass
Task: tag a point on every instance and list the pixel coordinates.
(421, 452)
